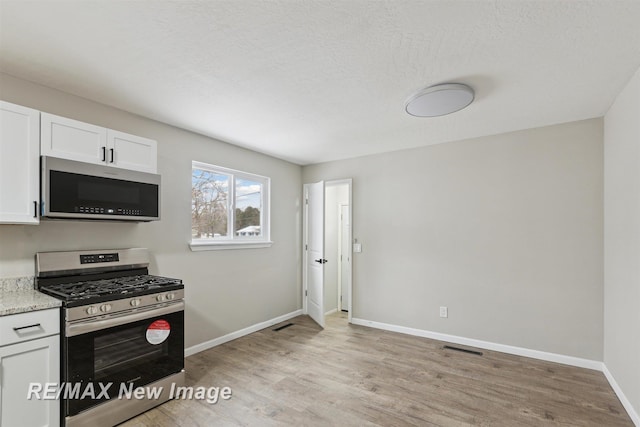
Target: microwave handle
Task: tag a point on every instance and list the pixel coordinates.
(84, 327)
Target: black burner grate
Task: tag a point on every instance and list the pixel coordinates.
(119, 286)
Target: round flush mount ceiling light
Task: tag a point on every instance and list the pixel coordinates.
(439, 100)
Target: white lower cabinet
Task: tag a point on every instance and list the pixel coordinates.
(29, 362)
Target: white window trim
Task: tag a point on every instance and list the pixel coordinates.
(236, 242)
(217, 245)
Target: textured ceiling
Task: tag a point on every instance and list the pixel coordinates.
(314, 81)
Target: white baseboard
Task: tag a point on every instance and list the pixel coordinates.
(237, 334)
(623, 399)
(331, 312)
(519, 351)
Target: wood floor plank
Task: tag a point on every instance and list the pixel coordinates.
(357, 376)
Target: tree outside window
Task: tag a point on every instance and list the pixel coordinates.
(228, 205)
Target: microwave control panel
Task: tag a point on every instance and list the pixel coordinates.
(107, 211)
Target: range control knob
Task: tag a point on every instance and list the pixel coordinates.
(171, 296)
(160, 297)
(92, 310)
(135, 302)
(105, 308)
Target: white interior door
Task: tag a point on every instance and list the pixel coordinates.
(314, 251)
(345, 257)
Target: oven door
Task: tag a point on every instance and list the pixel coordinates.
(80, 190)
(126, 351)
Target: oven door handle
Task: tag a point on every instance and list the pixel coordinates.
(85, 327)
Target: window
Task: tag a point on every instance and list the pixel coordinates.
(229, 208)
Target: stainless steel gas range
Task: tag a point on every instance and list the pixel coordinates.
(121, 329)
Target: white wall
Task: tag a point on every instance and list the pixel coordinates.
(225, 290)
(335, 195)
(505, 230)
(622, 241)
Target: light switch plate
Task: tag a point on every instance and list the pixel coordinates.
(357, 247)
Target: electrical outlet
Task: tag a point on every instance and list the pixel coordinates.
(444, 312)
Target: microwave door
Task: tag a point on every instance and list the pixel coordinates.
(76, 190)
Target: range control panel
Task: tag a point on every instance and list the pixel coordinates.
(96, 258)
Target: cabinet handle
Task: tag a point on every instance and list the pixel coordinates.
(36, 325)
(35, 209)
(104, 154)
(111, 151)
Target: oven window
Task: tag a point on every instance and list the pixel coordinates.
(115, 351)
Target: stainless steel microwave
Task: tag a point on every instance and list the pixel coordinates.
(79, 190)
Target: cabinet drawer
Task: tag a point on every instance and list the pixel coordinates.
(27, 326)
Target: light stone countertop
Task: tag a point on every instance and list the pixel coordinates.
(17, 295)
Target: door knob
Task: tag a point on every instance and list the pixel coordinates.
(321, 261)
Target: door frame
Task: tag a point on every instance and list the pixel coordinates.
(341, 238)
(349, 182)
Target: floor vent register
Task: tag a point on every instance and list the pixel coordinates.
(279, 328)
(464, 350)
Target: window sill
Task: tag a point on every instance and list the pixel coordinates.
(217, 246)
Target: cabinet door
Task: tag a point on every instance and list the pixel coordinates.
(131, 152)
(73, 140)
(19, 164)
(30, 363)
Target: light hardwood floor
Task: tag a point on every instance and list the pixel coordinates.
(356, 376)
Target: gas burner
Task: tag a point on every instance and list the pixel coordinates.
(145, 281)
(114, 288)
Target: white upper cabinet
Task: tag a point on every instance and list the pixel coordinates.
(19, 164)
(131, 152)
(75, 140)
